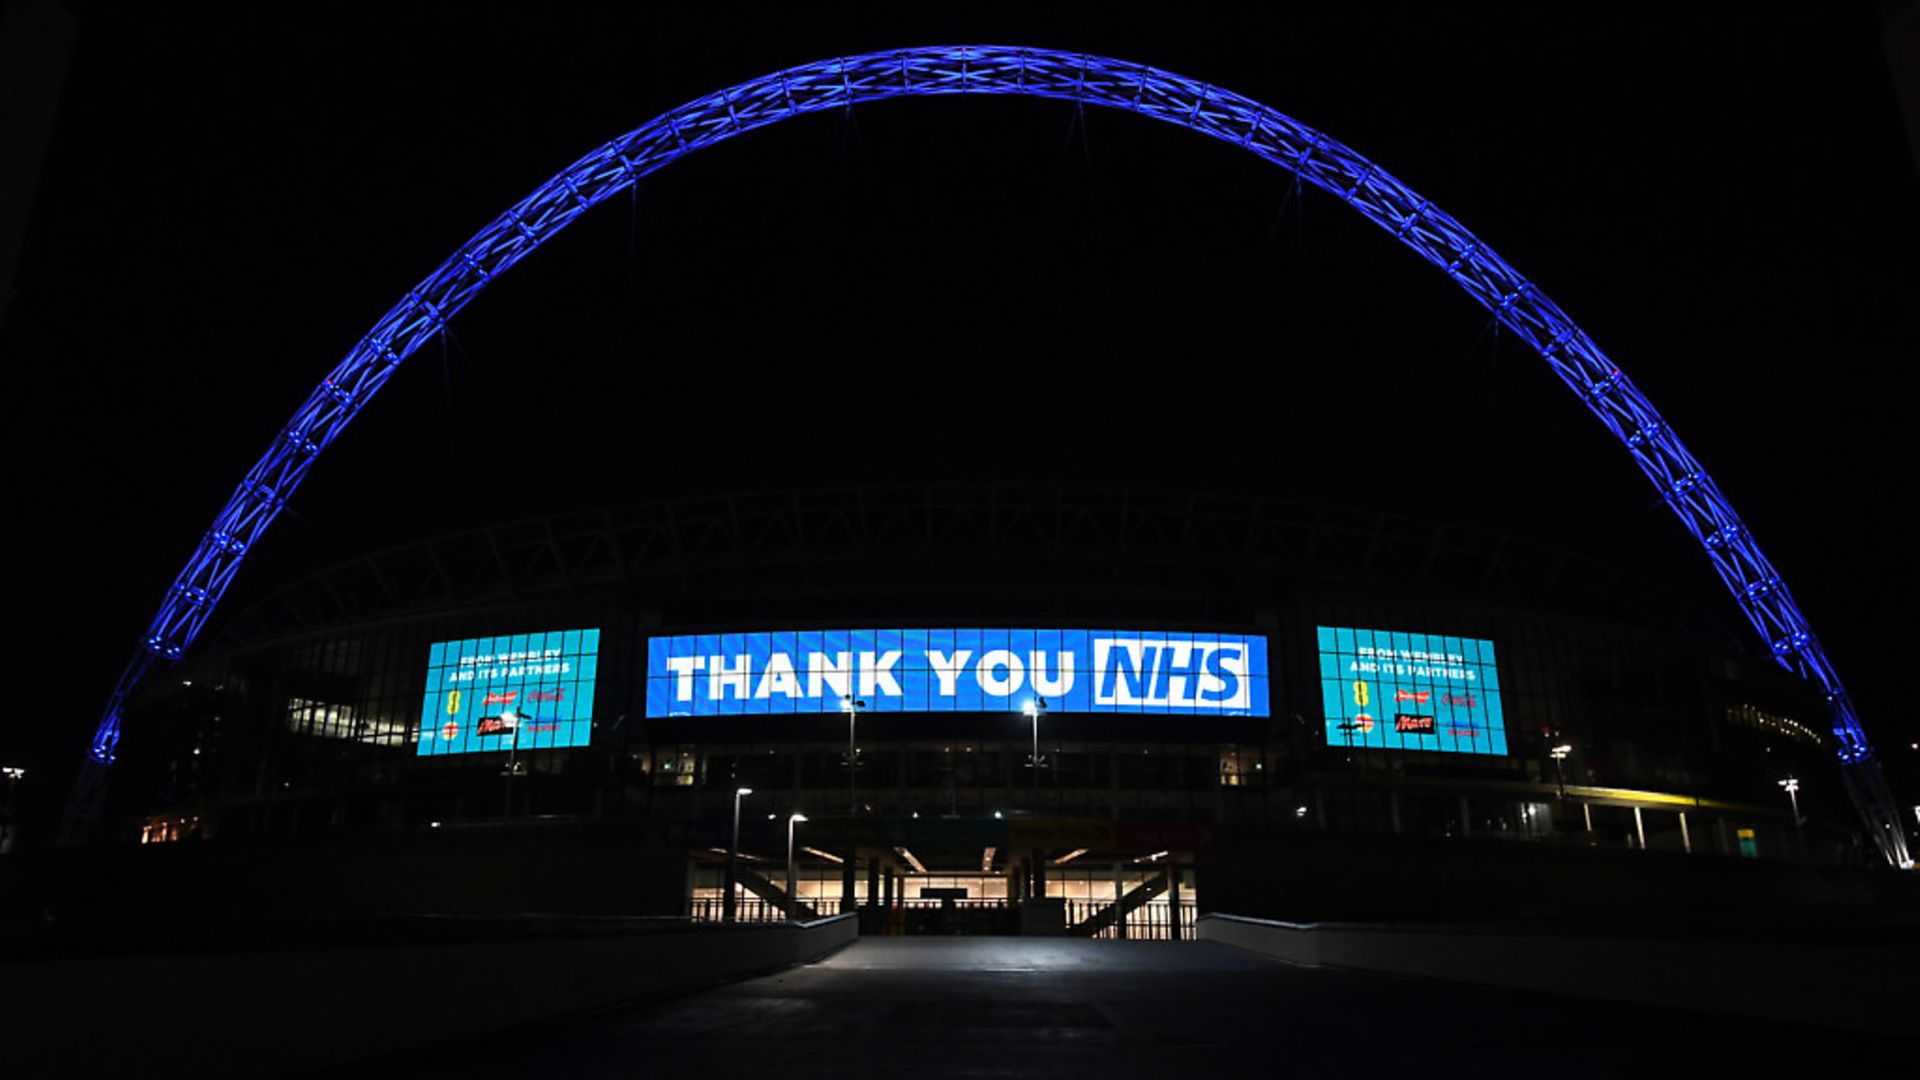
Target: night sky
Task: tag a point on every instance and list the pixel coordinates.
(965, 290)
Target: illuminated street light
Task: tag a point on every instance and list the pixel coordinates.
(728, 902)
(793, 897)
(1559, 754)
(851, 706)
(1793, 795)
(1036, 708)
(513, 754)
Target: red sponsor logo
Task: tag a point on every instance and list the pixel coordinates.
(501, 699)
(1361, 722)
(1418, 697)
(545, 725)
(1413, 722)
(494, 725)
(450, 731)
(547, 695)
(1464, 701)
(1464, 732)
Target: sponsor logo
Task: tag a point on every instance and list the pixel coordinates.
(497, 698)
(1361, 723)
(552, 695)
(1142, 672)
(449, 731)
(1417, 697)
(498, 725)
(1415, 723)
(1464, 701)
(1468, 731)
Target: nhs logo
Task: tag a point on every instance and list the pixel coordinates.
(1144, 673)
(967, 670)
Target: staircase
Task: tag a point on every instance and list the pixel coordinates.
(1132, 901)
(773, 894)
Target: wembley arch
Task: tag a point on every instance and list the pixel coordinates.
(1519, 305)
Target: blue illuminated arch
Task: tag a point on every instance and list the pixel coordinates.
(988, 69)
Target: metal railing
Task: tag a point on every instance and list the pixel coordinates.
(759, 910)
(1148, 922)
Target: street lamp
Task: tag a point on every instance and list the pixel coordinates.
(1559, 754)
(13, 773)
(728, 902)
(793, 898)
(1036, 707)
(851, 706)
(513, 755)
(1793, 796)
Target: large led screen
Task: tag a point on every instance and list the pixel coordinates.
(530, 691)
(1402, 691)
(1074, 671)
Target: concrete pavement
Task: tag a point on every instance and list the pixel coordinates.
(1018, 1007)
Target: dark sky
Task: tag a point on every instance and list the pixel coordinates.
(967, 290)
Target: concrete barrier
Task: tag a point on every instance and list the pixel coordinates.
(288, 1011)
(1840, 984)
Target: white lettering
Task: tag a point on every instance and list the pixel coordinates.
(876, 675)
(1057, 686)
(683, 668)
(947, 669)
(720, 677)
(1000, 685)
(828, 673)
(779, 678)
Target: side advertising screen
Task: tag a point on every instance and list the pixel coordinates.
(530, 691)
(1401, 691)
(958, 670)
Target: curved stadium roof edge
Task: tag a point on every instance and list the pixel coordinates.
(671, 539)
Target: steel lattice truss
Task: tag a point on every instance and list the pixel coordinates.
(987, 69)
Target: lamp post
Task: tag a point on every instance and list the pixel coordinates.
(1792, 787)
(1559, 754)
(851, 706)
(793, 898)
(13, 773)
(728, 902)
(1036, 707)
(513, 757)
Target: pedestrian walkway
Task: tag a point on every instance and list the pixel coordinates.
(1018, 1007)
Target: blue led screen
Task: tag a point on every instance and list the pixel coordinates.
(1402, 691)
(962, 670)
(530, 691)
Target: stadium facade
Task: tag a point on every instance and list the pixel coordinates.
(1050, 699)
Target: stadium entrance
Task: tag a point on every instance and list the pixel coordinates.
(930, 885)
